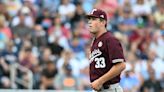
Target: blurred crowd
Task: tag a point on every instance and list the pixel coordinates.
(50, 38)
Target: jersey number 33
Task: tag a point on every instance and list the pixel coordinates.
(100, 62)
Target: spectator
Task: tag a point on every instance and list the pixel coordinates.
(4, 28)
(51, 5)
(141, 8)
(68, 57)
(10, 4)
(37, 76)
(70, 82)
(56, 48)
(27, 58)
(58, 29)
(5, 33)
(4, 74)
(66, 15)
(157, 44)
(45, 56)
(24, 17)
(78, 15)
(159, 14)
(48, 75)
(151, 85)
(39, 35)
(126, 18)
(33, 7)
(107, 5)
(44, 19)
(130, 82)
(4, 12)
(59, 33)
(10, 53)
(21, 31)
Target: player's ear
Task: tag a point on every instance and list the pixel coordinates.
(103, 21)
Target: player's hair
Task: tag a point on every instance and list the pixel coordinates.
(101, 19)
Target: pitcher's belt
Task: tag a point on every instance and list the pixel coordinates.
(110, 86)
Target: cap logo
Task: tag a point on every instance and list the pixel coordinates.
(93, 11)
(102, 16)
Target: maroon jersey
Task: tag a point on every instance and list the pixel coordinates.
(106, 51)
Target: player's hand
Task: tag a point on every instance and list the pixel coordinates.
(96, 85)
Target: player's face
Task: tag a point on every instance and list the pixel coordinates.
(93, 24)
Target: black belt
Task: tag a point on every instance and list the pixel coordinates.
(106, 86)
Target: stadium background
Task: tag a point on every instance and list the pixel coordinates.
(44, 44)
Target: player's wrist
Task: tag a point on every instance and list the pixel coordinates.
(101, 81)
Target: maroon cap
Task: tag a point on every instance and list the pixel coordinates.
(98, 14)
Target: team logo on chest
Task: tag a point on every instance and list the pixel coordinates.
(100, 44)
(95, 53)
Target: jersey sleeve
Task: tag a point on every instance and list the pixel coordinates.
(115, 51)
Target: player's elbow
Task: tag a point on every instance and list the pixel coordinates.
(123, 66)
(120, 66)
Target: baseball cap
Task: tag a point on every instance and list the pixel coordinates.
(98, 13)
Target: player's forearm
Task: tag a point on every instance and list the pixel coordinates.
(113, 72)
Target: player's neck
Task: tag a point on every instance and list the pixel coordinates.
(101, 31)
